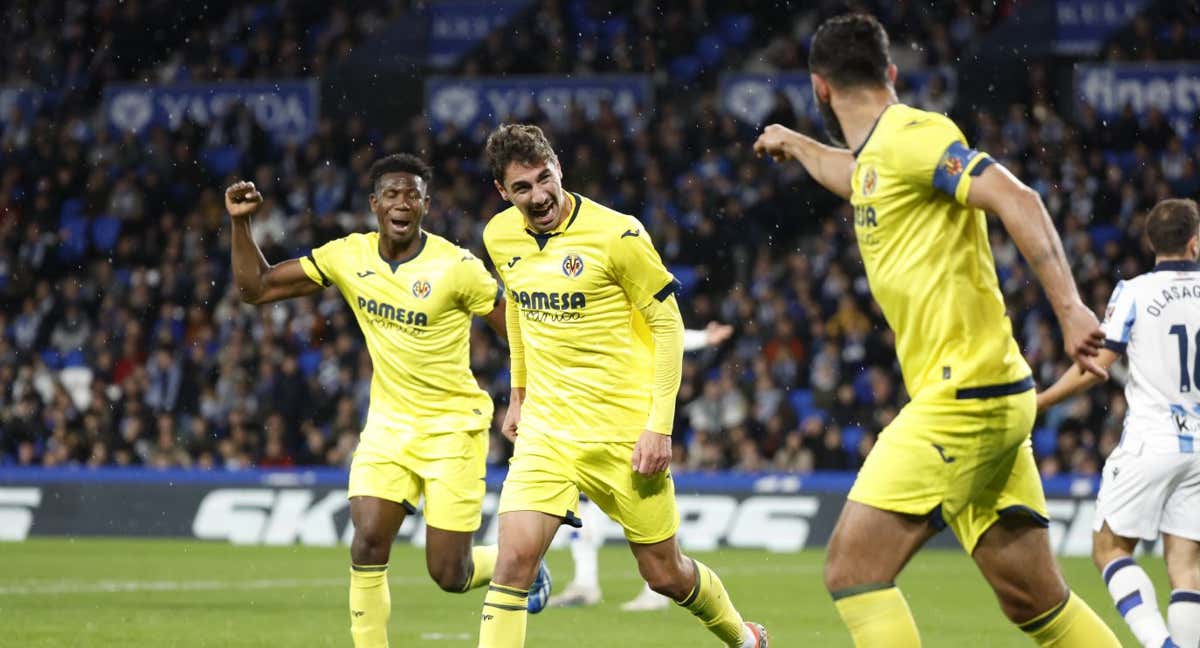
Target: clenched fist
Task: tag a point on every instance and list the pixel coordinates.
(242, 199)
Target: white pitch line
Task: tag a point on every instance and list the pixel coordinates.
(446, 636)
(41, 587)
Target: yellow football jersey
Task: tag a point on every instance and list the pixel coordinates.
(587, 349)
(416, 318)
(928, 260)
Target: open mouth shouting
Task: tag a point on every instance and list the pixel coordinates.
(542, 216)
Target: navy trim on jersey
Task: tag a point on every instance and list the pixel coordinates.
(872, 131)
(1017, 509)
(324, 280)
(991, 391)
(673, 286)
(983, 164)
(1176, 266)
(1113, 345)
(420, 248)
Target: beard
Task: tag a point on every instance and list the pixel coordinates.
(833, 128)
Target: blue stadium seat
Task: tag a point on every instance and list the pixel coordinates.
(862, 387)
(851, 436)
(74, 358)
(1104, 234)
(221, 160)
(711, 50)
(105, 230)
(309, 361)
(1045, 441)
(802, 403)
(685, 69)
(687, 277)
(51, 358)
(236, 55)
(75, 244)
(736, 29)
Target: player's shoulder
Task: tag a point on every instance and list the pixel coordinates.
(909, 123)
(606, 221)
(504, 224)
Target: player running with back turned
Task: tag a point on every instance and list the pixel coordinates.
(596, 342)
(959, 452)
(1151, 481)
(413, 294)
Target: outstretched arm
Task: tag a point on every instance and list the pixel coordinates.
(259, 282)
(830, 166)
(1021, 211)
(1075, 380)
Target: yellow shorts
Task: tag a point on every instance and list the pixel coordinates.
(448, 469)
(962, 462)
(547, 474)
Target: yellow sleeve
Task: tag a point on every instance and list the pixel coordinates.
(637, 267)
(476, 286)
(516, 346)
(933, 153)
(320, 265)
(666, 327)
(651, 288)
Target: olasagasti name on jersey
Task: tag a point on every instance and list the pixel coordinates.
(1170, 294)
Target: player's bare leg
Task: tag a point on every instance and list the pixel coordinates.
(524, 538)
(454, 564)
(860, 573)
(1183, 570)
(1015, 557)
(695, 587)
(376, 522)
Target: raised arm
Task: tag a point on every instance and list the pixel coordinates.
(1021, 211)
(259, 282)
(832, 167)
(1075, 380)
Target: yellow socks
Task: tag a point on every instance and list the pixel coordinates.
(504, 615)
(370, 605)
(877, 615)
(483, 563)
(710, 603)
(1071, 624)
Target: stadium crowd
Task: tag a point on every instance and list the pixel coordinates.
(123, 341)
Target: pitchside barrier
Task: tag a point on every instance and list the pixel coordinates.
(777, 512)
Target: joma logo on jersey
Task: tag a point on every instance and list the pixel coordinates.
(549, 301)
(864, 216)
(572, 265)
(421, 289)
(390, 312)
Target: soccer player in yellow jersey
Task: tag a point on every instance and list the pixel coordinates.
(596, 343)
(959, 452)
(413, 294)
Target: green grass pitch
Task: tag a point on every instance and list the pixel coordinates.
(162, 593)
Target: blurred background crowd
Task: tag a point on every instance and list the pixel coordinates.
(123, 341)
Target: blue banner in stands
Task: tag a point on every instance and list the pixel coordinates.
(752, 98)
(288, 110)
(1173, 88)
(469, 103)
(1084, 25)
(457, 26)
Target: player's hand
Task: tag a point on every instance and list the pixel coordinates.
(1083, 338)
(652, 454)
(774, 142)
(242, 199)
(716, 333)
(511, 418)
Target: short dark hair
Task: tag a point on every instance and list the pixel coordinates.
(524, 143)
(400, 163)
(1171, 224)
(851, 50)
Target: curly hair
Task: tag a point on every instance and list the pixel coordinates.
(524, 143)
(400, 163)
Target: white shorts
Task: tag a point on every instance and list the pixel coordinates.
(1143, 493)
